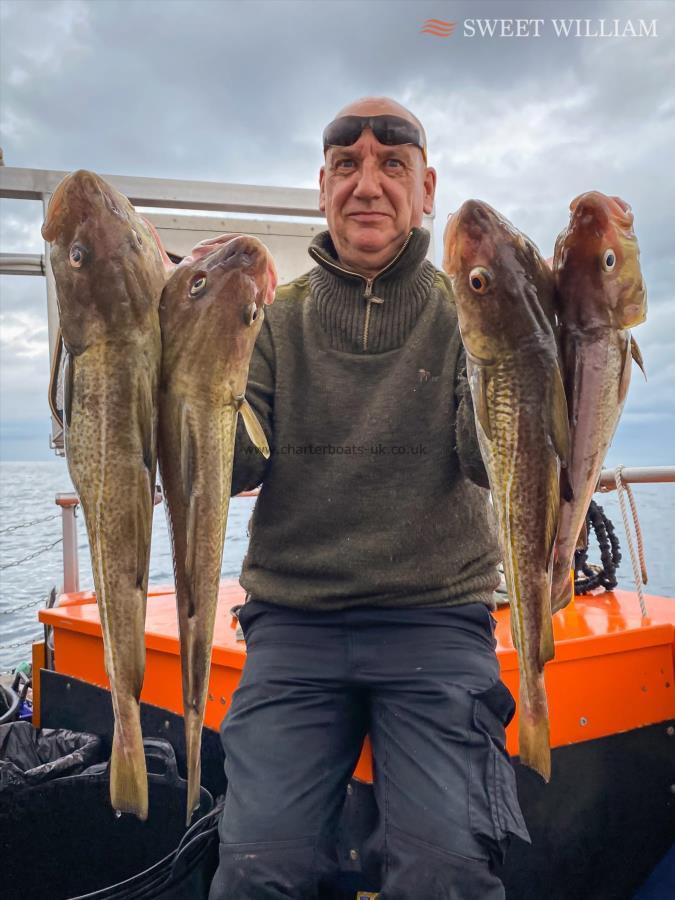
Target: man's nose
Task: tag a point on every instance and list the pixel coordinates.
(368, 183)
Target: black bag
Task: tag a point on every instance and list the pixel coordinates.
(32, 756)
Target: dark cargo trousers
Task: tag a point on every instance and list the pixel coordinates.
(424, 683)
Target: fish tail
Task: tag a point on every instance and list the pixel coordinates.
(533, 729)
(128, 774)
(193, 742)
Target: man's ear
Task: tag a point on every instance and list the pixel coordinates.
(322, 189)
(429, 189)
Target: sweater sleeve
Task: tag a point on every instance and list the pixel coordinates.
(468, 449)
(250, 465)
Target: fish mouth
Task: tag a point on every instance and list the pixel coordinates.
(243, 253)
(80, 195)
(252, 257)
(467, 234)
(475, 218)
(594, 210)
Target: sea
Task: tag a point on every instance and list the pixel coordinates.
(31, 561)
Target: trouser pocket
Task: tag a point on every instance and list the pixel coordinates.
(266, 870)
(494, 810)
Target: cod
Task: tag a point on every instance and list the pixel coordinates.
(211, 311)
(110, 271)
(600, 296)
(504, 293)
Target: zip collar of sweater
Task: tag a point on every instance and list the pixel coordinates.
(370, 315)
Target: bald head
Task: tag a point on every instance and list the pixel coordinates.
(374, 193)
(381, 106)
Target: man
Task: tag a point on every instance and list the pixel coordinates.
(372, 559)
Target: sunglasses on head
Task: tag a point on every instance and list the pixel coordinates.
(389, 130)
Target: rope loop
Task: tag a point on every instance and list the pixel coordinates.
(637, 558)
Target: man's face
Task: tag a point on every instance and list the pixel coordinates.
(372, 195)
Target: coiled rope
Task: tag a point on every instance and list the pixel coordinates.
(587, 577)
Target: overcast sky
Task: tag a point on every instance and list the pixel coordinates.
(240, 91)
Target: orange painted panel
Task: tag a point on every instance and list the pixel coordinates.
(39, 660)
(612, 672)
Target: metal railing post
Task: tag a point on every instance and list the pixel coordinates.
(71, 566)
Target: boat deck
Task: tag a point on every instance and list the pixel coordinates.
(613, 671)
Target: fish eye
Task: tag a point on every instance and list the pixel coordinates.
(250, 314)
(479, 279)
(608, 260)
(198, 285)
(76, 256)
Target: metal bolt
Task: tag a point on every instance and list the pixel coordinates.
(583, 721)
(211, 698)
(67, 685)
(350, 790)
(672, 789)
(354, 854)
(167, 724)
(223, 701)
(670, 731)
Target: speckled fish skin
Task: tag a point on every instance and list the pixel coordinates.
(504, 295)
(597, 305)
(109, 273)
(211, 312)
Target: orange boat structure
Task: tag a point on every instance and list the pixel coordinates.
(597, 829)
(613, 671)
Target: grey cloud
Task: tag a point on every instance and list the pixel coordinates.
(241, 92)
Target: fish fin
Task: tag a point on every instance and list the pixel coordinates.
(558, 425)
(479, 391)
(551, 526)
(187, 471)
(68, 376)
(624, 381)
(146, 422)
(636, 353)
(566, 492)
(144, 531)
(128, 774)
(546, 641)
(254, 428)
(146, 416)
(186, 455)
(572, 374)
(562, 587)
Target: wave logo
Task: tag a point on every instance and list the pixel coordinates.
(438, 27)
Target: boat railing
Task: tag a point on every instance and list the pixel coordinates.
(636, 475)
(286, 219)
(69, 502)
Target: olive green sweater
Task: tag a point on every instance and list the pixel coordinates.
(367, 498)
